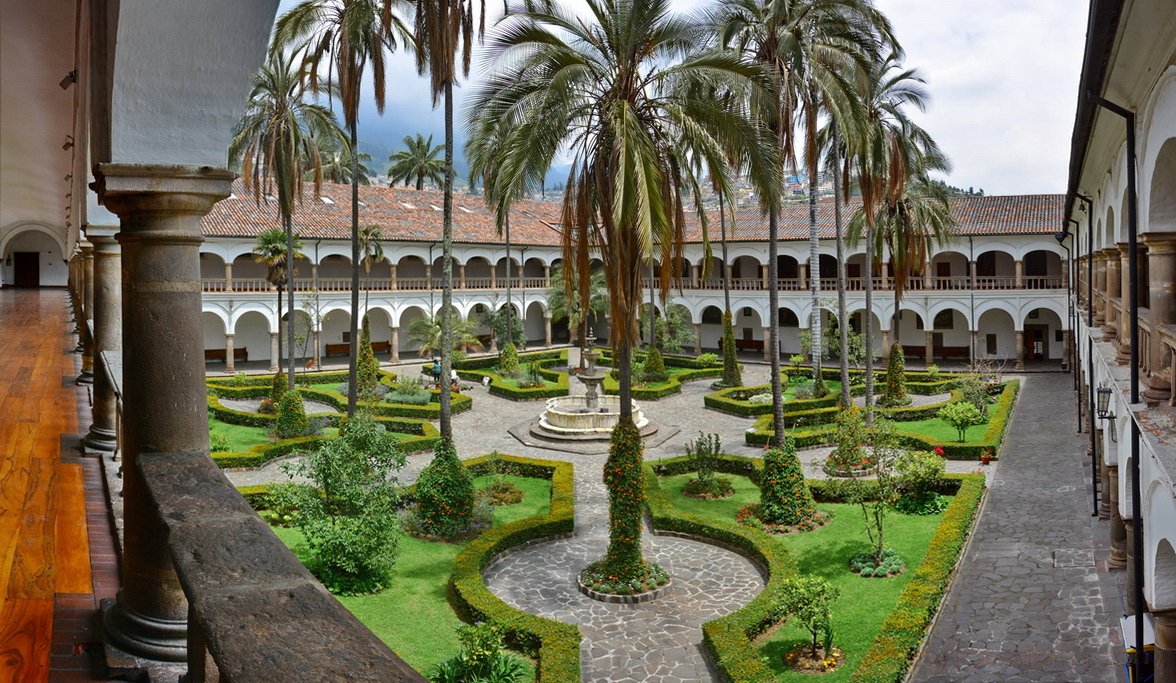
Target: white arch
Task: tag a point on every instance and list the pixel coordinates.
(246, 309)
(946, 305)
(1057, 307)
(1160, 561)
(16, 229)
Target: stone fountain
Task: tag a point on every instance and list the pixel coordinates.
(590, 417)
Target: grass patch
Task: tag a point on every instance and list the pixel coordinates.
(413, 615)
(240, 437)
(864, 603)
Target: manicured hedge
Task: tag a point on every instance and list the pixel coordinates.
(554, 645)
(729, 638)
(500, 387)
(492, 360)
(823, 434)
(673, 385)
(263, 453)
(890, 656)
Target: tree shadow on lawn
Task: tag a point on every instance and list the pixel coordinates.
(830, 560)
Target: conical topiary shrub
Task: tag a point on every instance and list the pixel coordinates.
(508, 361)
(367, 368)
(850, 455)
(444, 493)
(654, 369)
(291, 420)
(278, 389)
(895, 393)
(784, 496)
(732, 377)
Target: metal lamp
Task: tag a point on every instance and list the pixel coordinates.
(1104, 403)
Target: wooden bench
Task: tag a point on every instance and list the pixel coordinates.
(342, 349)
(381, 347)
(953, 352)
(749, 344)
(218, 355)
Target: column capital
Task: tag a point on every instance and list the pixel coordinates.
(130, 190)
(1159, 242)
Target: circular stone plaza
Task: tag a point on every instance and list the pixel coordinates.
(1001, 508)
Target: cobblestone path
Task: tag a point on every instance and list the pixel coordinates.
(1026, 604)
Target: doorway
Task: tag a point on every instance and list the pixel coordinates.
(1037, 342)
(27, 268)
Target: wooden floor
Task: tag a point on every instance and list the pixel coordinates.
(44, 537)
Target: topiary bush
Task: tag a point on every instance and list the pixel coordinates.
(654, 369)
(508, 361)
(850, 455)
(444, 494)
(784, 497)
(279, 386)
(626, 504)
(367, 368)
(732, 377)
(291, 418)
(895, 394)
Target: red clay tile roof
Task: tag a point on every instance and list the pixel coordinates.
(411, 216)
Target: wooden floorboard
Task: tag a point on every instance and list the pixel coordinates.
(25, 636)
(73, 543)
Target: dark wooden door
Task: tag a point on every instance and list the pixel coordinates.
(1037, 342)
(943, 269)
(27, 265)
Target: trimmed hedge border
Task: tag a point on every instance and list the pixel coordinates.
(724, 400)
(728, 640)
(499, 385)
(671, 386)
(554, 645)
(822, 435)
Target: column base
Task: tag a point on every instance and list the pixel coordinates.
(1123, 354)
(1019, 365)
(1117, 561)
(100, 440)
(1159, 387)
(1110, 331)
(142, 637)
(86, 377)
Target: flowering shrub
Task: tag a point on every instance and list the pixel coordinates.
(626, 504)
(784, 496)
(599, 578)
(291, 420)
(279, 386)
(445, 494)
(850, 455)
(895, 393)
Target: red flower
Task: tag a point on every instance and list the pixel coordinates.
(939, 451)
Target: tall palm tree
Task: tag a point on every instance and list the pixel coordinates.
(270, 251)
(566, 305)
(444, 32)
(426, 331)
(338, 166)
(276, 141)
(610, 86)
(371, 250)
(347, 36)
(481, 150)
(417, 162)
(809, 47)
(883, 151)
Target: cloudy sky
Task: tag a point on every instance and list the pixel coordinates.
(1003, 78)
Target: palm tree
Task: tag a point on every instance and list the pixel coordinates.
(417, 162)
(883, 151)
(610, 86)
(338, 166)
(809, 47)
(444, 30)
(348, 36)
(426, 331)
(276, 141)
(566, 305)
(370, 251)
(270, 251)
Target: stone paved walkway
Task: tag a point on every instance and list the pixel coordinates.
(1027, 604)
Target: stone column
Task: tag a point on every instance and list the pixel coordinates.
(494, 277)
(87, 269)
(392, 271)
(1020, 342)
(547, 331)
(1100, 288)
(697, 338)
(802, 274)
(228, 277)
(767, 345)
(461, 281)
(928, 347)
(317, 353)
(927, 282)
(394, 342)
(1104, 472)
(972, 272)
(275, 352)
(1018, 273)
(975, 343)
(765, 276)
(103, 435)
(885, 344)
(1165, 651)
(1129, 563)
(1124, 352)
(1066, 347)
(1118, 558)
(230, 360)
(1161, 287)
(1114, 295)
(159, 208)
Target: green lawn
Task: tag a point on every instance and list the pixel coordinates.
(941, 431)
(864, 603)
(240, 438)
(412, 615)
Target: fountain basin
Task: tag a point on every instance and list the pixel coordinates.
(569, 416)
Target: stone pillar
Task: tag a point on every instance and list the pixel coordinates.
(230, 361)
(392, 271)
(87, 270)
(972, 272)
(1066, 347)
(228, 277)
(927, 282)
(802, 273)
(547, 274)
(1018, 273)
(975, 343)
(547, 331)
(885, 344)
(1161, 287)
(159, 208)
(767, 345)
(1114, 295)
(1129, 563)
(394, 342)
(765, 275)
(275, 352)
(1165, 651)
(1020, 342)
(1118, 558)
(494, 277)
(461, 281)
(697, 338)
(928, 347)
(1100, 288)
(1104, 472)
(103, 435)
(317, 353)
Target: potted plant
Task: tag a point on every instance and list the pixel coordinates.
(986, 456)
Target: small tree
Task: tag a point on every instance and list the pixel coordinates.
(732, 377)
(919, 473)
(291, 417)
(367, 374)
(654, 369)
(875, 497)
(784, 496)
(961, 415)
(808, 600)
(508, 361)
(481, 658)
(975, 392)
(348, 510)
(445, 493)
(895, 394)
(850, 455)
(673, 330)
(704, 454)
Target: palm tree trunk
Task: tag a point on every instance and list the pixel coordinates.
(352, 354)
(842, 310)
(509, 308)
(773, 326)
(624, 354)
(868, 274)
(815, 275)
(289, 300)
(726, 268)
(447, 272)
(278, 360)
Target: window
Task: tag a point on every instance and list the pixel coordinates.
(943, 320)
(990, 344)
